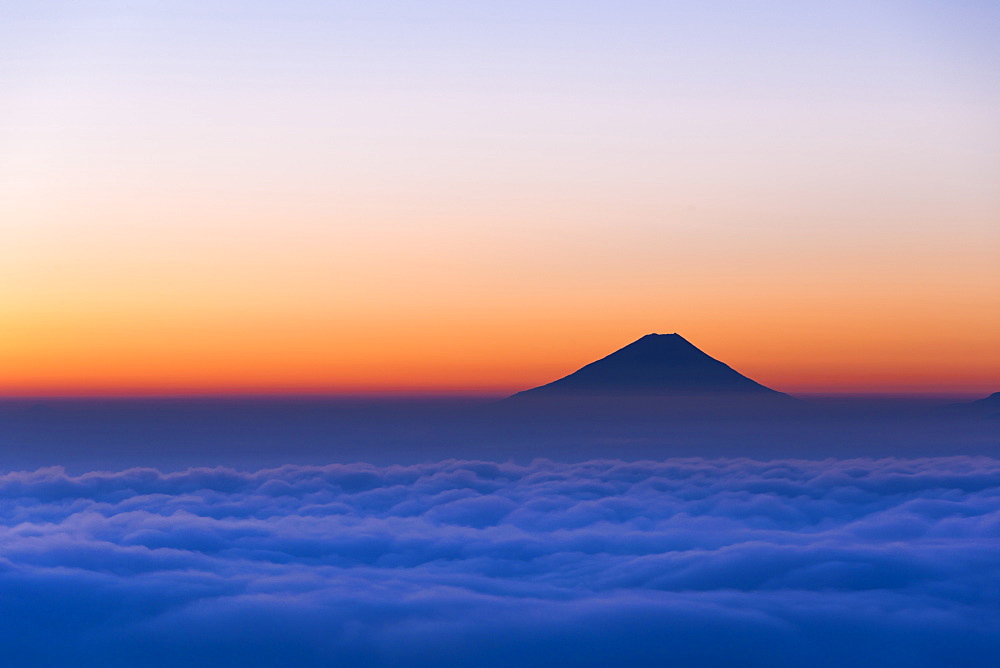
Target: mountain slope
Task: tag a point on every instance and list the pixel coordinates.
(987, 408)
(657, 365)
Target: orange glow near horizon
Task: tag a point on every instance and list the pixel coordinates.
(484, 352)
(105, 307)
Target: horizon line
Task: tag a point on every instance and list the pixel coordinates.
(425, 394)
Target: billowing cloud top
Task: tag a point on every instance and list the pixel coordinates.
(684, 562)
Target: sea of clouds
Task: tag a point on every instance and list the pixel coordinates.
(715, 562)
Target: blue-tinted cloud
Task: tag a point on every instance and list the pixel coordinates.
(684, 562)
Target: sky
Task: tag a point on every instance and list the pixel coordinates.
(446, 197)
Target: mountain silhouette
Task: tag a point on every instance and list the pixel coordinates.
(988, 407)
(657, 366)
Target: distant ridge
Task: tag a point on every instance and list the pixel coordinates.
(656, 365)
(988, 407)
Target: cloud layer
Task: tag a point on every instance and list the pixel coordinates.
(684, 562)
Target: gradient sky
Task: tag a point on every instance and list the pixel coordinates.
(210, 196)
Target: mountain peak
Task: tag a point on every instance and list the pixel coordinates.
(654, 365)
